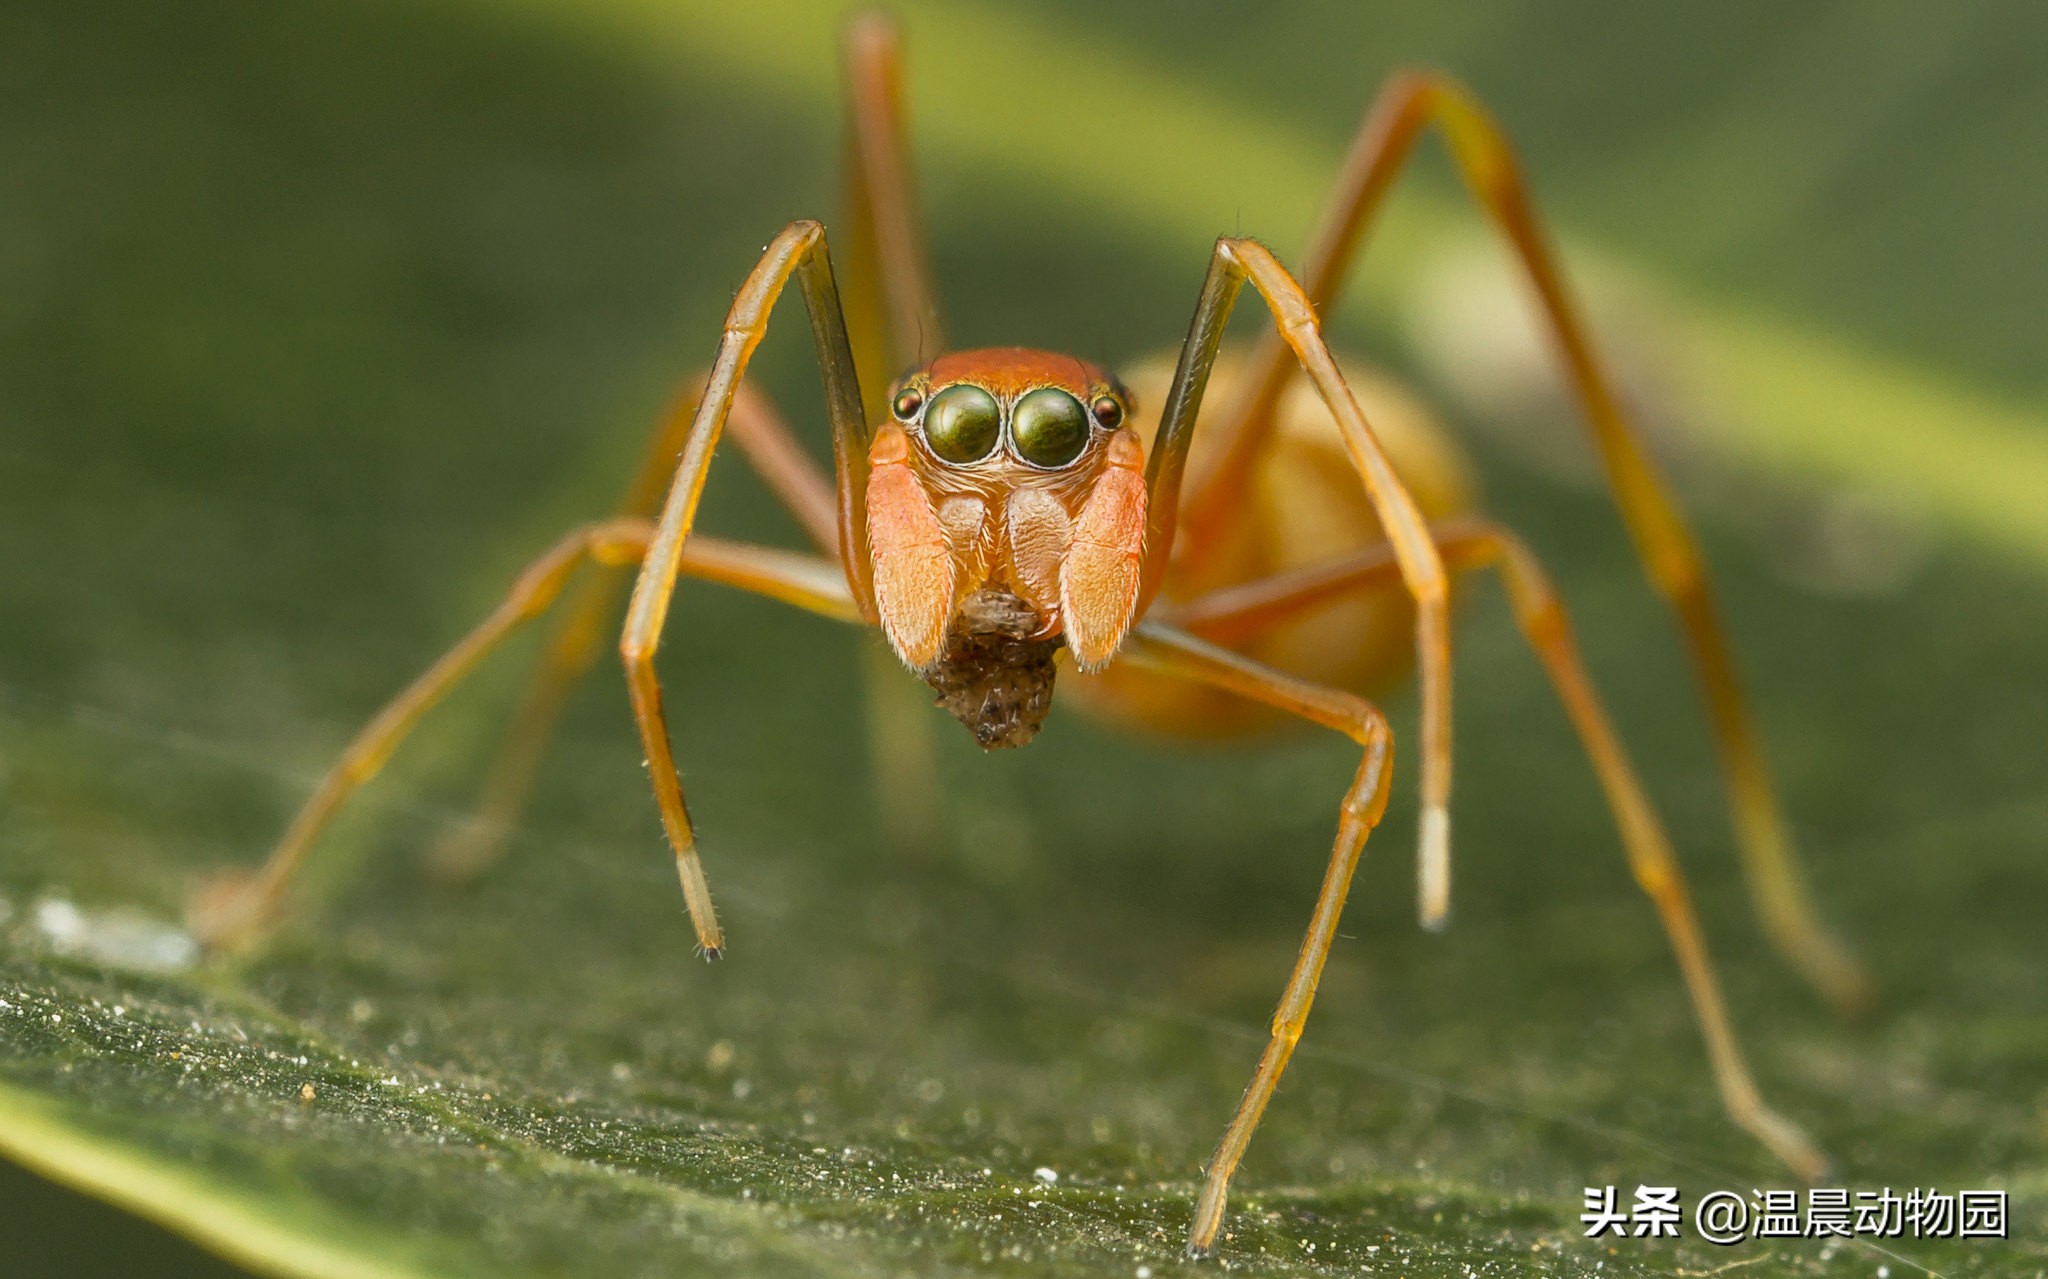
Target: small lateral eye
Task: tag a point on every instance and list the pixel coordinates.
(1108, 410)
(962, 423)
(908, 401)
(1049, 427)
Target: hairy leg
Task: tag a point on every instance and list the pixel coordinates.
(1234, 263)
(1170, 652)
(790, 473)
(891, 309)
(238, 909)
(1229, 615)
(798, 252)
(1407, 105)
(893, 317)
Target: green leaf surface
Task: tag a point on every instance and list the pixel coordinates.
(317, 321)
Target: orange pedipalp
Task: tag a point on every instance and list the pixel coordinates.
(913, 563)
(1099, 582)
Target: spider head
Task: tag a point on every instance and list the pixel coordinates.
(1010, 415)
(1005, 497)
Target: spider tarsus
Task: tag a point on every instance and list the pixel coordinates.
(712, 954)
(229, 915)
(1434, 868)
(462, 853)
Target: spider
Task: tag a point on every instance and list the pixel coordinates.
(999, 513)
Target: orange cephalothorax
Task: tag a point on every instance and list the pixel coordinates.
(1006, 512)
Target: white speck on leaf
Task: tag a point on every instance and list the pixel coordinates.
(118, 938)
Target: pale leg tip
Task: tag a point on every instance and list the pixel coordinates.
(230, 914)
(1810, 1162)
(462, 854)
(1208, 1220)
(1433, 868)
(1841, 978)
(1789, 1142)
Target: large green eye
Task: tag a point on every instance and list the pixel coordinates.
(1050, 427)
(962, 423)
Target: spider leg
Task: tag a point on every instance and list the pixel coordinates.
(790, 473)
(1671, 558)
(1227, 615)
(800, 251)
(888, 300)
(237, 910)
(891, 310)
(1235, 262)
(893, 318)
(1171, 652)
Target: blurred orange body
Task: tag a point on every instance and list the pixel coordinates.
(1304, 507)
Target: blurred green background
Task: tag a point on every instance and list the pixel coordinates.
(317, 320)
